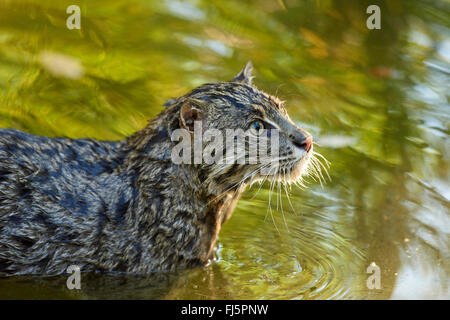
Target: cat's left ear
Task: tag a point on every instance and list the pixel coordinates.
(246, 74)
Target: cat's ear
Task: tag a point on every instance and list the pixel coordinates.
(189, 113)
(246, 74)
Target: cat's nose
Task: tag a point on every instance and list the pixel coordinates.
(303, 141)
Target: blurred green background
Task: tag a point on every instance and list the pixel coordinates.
(375, 100)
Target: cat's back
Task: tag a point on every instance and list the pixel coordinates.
(50, 195)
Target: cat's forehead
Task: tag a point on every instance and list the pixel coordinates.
(236, 94)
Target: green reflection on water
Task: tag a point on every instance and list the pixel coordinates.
(376, 101)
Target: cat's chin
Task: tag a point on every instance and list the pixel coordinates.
(284, 172)
(298, 168)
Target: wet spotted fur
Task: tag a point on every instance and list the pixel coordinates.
(125, 206)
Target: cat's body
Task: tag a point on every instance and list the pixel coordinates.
(125, 206)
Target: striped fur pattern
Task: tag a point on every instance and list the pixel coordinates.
(124, 206)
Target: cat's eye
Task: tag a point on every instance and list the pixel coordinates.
(257, 126)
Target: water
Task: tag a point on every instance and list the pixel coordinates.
(375, 100)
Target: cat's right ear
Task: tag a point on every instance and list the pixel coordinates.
(246, 74)
(189, 113)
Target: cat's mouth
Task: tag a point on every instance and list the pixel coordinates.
(313, 165)
(298, 167)
(288, 170)
(303, 164)
(283, 169)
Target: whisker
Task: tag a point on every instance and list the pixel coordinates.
(281, 200)
(325, 159)
(234, 185)
(285, 189)
(328, 163)
(317, 170)
(270, 207)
